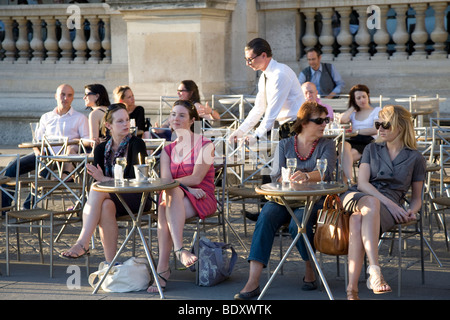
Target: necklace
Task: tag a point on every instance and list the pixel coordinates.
(310, 152)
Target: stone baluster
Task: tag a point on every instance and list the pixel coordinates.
(51, 44)
(420, 35)
(439, 35)
(106, 42)
(344, 37)
(362, 37)
(326, 37)
(64, 43)
(381, 37)
(36, 43)
(309, 38)
(22, 43)
(8, 44)
(400, 35)
(79, 44)
(94, 40)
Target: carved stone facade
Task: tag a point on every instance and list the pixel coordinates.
(399, 48)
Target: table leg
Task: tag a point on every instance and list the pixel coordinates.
(301, 232)
(136, 226)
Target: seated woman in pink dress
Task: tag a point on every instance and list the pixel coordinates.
(189, 160)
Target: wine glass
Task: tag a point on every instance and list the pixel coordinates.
(122, 161)
(291, 164)
(321, 165)
(151, 161)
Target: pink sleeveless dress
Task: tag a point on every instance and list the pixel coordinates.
(204, 206)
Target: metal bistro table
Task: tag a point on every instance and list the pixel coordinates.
(309, 192)
(130, 186)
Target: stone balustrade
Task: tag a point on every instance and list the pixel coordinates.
(358, 30)
(55, 34)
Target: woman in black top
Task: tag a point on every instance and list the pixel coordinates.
(102, 208)
(124, 94)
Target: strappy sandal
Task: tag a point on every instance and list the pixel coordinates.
(178, 254)
(65, 255)
(376, 281)
(155, 287)
(352, 295)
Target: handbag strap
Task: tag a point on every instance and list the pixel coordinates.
(218, 252)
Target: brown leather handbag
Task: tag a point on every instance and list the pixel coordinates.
(332, 228)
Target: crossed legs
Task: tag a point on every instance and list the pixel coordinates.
(99, 210)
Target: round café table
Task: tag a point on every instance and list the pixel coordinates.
(131, 186)
(289, 194)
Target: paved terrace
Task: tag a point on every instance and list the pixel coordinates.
(30, 280)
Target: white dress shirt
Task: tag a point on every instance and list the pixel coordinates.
(72, 124)
(284, 98)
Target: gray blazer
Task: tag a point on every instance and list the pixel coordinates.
(325, 149)
(393, 178)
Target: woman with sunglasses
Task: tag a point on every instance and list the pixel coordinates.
(306, 146)
(388, 169)
(189, 160)
(102, 208)
(361, 115)
(96, 98)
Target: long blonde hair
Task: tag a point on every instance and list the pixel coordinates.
(400, 118)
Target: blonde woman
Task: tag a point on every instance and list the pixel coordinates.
(389, 167)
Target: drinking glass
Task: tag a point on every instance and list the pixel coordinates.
(291, 164)
(321, 165)
(151, 161)
(122, 161)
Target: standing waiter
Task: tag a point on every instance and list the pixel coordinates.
(279, 93)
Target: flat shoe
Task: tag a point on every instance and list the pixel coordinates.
(65, 256)
(309, 286)
(247, 295)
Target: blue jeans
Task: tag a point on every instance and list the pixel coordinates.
(27, 164)
(270, 220)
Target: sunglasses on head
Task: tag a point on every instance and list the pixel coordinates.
(385, 125)
(320, 120)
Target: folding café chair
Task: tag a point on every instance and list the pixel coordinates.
(42, 217)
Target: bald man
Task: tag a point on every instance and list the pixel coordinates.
(63, 120)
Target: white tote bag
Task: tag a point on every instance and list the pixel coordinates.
(132, 275)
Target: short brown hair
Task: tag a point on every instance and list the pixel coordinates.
(305, 112)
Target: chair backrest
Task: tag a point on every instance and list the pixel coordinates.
(11, 193)
(440, 134)
(165, 103)
(444, 161)
(76, 190)
(84, 145)
(423, 106)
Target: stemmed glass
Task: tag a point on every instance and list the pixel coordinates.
(321, 165)
(291, 164)
(151, 161)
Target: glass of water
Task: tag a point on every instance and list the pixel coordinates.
(321, 166)
(291, 164)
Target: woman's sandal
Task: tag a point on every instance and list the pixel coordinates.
(178, 254)
(65, 255)
(155, 287)
(376, 281)
(352, 295)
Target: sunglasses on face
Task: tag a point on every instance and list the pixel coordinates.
(319, 121)
(385, 125)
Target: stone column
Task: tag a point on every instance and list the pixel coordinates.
(326, 37)
(344, 37)
(362, 37)
(400, 35)
(420, 35)
(170, 42)
(8, 44)
(22, 43)
(36, 43)
(309, 38)
(94, 40)
(381, 37)
(439, 34)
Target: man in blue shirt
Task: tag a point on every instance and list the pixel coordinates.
(328, 81)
